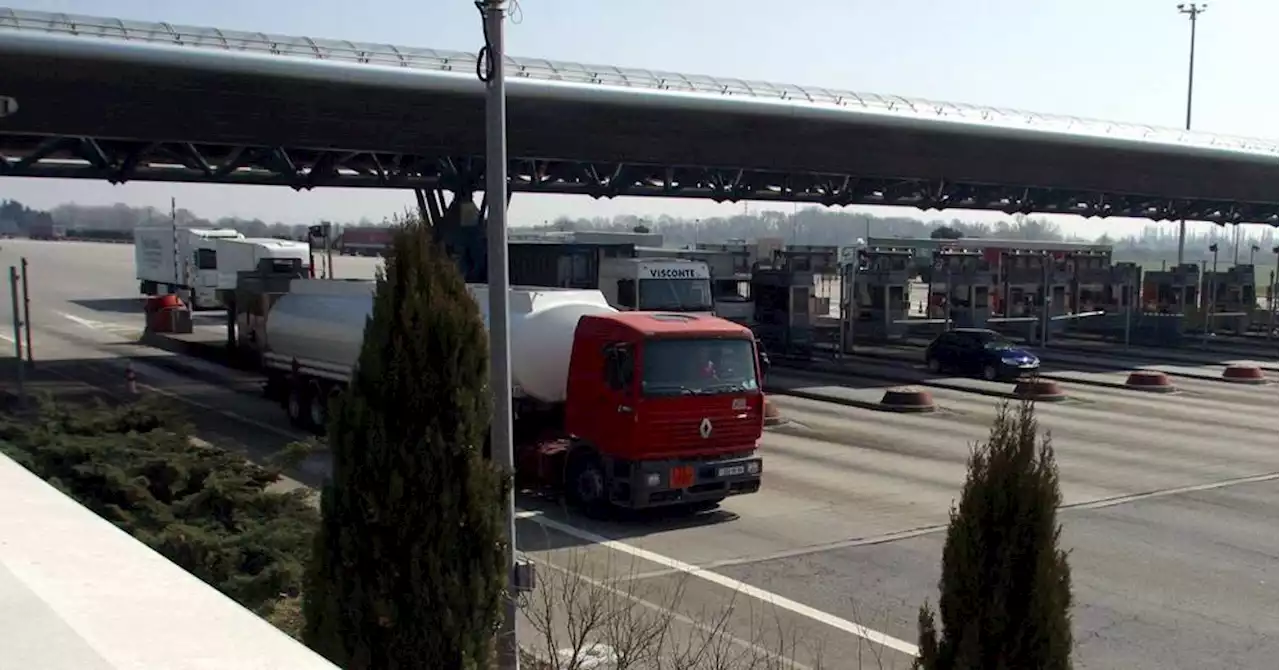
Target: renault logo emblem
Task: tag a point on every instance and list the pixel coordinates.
(704, 428)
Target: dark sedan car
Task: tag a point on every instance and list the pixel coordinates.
(979, 351)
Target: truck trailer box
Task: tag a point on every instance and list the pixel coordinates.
(180, 261)
(154, 250)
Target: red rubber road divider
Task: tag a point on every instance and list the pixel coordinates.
(1153, 381)
(907, 399)
(1244, 374)
(1039, 389)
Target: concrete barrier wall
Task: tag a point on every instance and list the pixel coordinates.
(77, 593)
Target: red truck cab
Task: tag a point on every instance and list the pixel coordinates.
(662, 409)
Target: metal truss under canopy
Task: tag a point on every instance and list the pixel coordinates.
(120, 161)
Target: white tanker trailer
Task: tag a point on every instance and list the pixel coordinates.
(635, 409)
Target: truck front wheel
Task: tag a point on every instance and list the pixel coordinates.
(585, 484)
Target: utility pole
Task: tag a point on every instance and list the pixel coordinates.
(491, 71)
(178, 275)
(1193, 11)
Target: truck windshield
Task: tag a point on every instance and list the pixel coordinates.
(698, 367)
(675, 295)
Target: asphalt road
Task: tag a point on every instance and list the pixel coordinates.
(1171, 501)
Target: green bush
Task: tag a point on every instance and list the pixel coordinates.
(1005, 592)
(408, 568)
(205, 509)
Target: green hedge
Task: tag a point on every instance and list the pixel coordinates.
(204, 508)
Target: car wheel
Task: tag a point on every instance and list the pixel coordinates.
(990, 373)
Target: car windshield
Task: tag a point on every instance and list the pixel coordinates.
(675, 295)
(698, 367)
(995, 342)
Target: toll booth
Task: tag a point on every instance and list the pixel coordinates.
(1160, 289)
(1123, 289)
(783, 310)
(1232, 296)
(1120, 301)
(880, 299)
(822, 266)
(960, 287)
(1090, 277)
(1033, 281)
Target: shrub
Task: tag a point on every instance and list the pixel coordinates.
(206, 509)
(1005, 591)
(409, 566)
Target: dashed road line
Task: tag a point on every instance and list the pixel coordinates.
(897, 536)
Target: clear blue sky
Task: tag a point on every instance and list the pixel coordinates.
(1124, 60)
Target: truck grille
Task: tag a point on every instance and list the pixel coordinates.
(677, 429)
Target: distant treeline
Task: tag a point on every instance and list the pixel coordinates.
(810, 225)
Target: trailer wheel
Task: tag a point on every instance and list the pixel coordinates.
(585, 485)
(296, 406)
(318, 408)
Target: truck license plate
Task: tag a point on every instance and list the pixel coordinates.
(731, 471)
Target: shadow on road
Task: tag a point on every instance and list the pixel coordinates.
(114, 305)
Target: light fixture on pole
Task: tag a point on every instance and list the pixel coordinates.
(1193, 11)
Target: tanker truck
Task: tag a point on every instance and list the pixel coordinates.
(617, 409)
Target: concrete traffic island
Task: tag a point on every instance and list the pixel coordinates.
(772, 417)
(1244, 373)
(1151, 381)
(1039, 389)
(907, 399)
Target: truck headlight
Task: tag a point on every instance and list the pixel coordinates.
(753, 468)
(652, 480)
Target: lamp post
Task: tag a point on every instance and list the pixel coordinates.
(1275, 289)
(491, 69)
(1211, 305)
(1193, 11)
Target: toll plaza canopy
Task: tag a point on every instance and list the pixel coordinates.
(121, 100)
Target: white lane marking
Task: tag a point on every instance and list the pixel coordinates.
(760, 594)
(113, 328)
(87, 323)
(1162, 493)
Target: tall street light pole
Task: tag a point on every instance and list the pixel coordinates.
(492, 71)
(1193, 11)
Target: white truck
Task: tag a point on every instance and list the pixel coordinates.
(181, 261)
(236, 255)
(657, 284)
(618, 408)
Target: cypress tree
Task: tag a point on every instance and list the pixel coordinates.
(408, 567)
(1005, 590)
